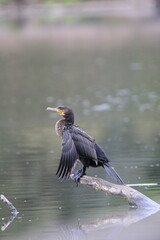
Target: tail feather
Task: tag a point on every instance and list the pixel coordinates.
(112, 173)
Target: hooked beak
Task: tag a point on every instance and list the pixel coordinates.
(57, 110)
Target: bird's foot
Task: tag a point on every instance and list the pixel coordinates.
(80, 173)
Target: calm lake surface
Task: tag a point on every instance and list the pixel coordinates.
(110, 76)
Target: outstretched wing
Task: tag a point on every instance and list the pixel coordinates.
(68, 156)
(85, 145)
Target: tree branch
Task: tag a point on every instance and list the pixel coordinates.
(13, 210)
(134, 197)
(9, 204)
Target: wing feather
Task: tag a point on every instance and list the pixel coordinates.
(85, 145)
(68, 156)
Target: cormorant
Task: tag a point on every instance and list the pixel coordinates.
(78, 145)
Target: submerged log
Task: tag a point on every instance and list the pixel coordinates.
(134, 197)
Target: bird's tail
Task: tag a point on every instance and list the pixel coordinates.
(112, 173)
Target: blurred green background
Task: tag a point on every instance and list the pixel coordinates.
(106, 68)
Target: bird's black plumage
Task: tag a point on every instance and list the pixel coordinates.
(78, 145)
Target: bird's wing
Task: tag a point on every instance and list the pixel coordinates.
(101, 154)
(68, 156)
(85, 145)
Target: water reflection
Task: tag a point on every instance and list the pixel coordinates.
(71, 232)
(112, 226)
(7, 222)
(116, 225)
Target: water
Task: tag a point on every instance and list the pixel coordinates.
(110, 77)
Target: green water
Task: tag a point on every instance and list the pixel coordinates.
(110, 77)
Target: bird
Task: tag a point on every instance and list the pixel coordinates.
(77, 145)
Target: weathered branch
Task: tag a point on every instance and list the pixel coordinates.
(134, 197)
(9, 204)
(13, 210)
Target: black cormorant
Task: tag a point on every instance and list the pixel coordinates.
(78, 145)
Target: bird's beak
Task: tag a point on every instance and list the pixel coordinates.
(51, 109)
(59, 111)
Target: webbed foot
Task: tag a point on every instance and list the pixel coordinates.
(78, 174)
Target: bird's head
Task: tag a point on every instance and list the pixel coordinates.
(64, 111)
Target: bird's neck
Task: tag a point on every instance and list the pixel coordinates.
(60, 125)
(70, 119)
